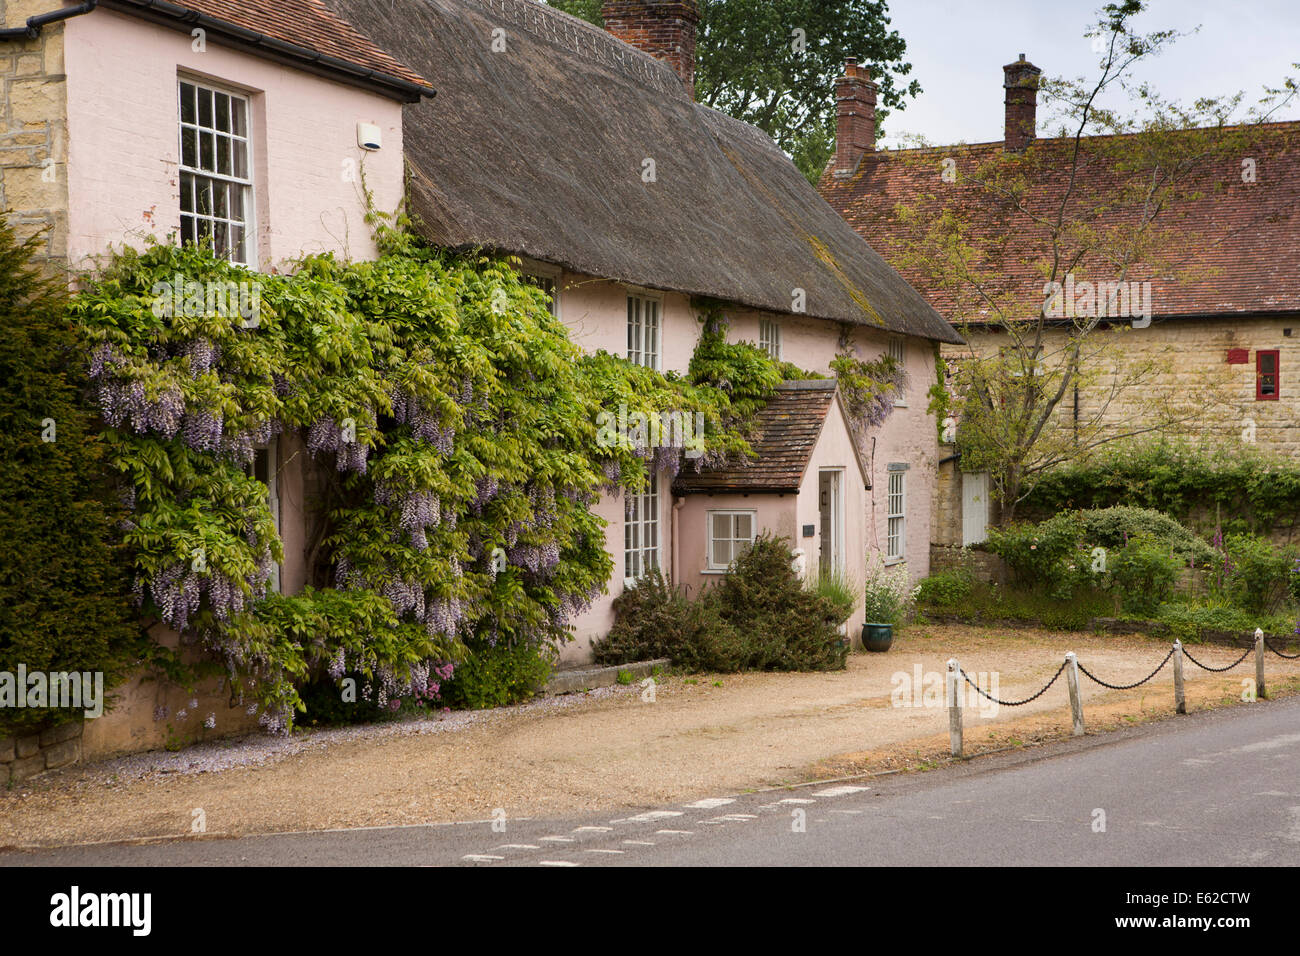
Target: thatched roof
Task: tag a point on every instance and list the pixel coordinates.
(788, 428)
(540, 151)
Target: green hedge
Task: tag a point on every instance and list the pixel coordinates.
(1240, 486)
(64, 591)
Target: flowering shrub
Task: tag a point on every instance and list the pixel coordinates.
(888, 594)
(1143, 573)
(450, 421)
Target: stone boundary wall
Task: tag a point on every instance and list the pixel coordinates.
(27, 755)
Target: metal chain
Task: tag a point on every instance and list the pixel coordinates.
(1013, 703)
(1290, 657)
(1098, 680)
(1218, 670)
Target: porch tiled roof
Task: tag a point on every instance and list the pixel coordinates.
(787, 431)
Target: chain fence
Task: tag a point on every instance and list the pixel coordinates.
(1261, 642)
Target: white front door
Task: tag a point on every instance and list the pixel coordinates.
(974, 507)
(830, 497)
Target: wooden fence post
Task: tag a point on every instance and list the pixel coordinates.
(954, 707)
(1260, 693)
(1180, 695)
(1076, 702)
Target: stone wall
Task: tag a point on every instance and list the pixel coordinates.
(24, 756)
(1194, 375)
(33, 132)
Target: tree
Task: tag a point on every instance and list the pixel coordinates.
(1005, 235)
(64, 591)
(773, 63)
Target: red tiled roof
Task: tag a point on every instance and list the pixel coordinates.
(304, 23)
(787, 431)
(1225, 246)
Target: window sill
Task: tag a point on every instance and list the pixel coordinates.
(890, 562)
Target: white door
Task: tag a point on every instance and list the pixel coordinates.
(974, 507)
(831, 501)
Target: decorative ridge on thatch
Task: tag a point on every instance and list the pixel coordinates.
(553, 140)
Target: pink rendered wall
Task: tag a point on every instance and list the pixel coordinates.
(123, 142)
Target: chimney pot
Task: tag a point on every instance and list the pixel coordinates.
(1020, 80)
(855, 117)
(663, 28)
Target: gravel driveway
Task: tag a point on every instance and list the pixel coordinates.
(604, 750)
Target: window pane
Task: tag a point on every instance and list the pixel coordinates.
(239, 155)
(744, 527)
(223, 111)
(188, 110)
(237, 203)
(237, 238)
(187, 229)
(721, 526)
(205, 108)
(187, 192)
(207, 153)
(223, 156)
(189, 148)
(203, 196)
(221, 206)
(722, 553)
(221, 239)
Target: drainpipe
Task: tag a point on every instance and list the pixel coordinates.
(677, 507)
(34, 24)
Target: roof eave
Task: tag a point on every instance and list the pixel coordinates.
(181, 18)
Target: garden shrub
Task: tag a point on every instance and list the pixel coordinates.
(1113, 527)
(65, 587)
(1143, 573)
(1260, 575)
(651, 620)
(494, 675)
(946, 590)
(761, 616)
(1189, 620)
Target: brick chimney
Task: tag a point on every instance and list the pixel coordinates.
(855, 117)
(1021, 82)
(663, 28)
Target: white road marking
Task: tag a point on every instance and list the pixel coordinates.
(710, 803)
(516, 846)
(591, 829)
(650, 816)
(846, 811)
(675, 832)
(602, 851)
(556, 863)
(796, 800)
(639, 842)
(557, 839)
(839, 791)
(481, 857)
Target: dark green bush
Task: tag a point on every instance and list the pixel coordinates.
(946, 590)
(991, 604)
(1260, 575)
(64, 588)
(497, 675)
(651, 620)
(761, 616)
(1143, 574)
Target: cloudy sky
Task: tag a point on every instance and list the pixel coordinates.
(958, 47)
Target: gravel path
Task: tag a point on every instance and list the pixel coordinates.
(607, 749)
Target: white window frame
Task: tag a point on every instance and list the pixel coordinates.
(645, 329)
(769, 337)
(198, 174)
(896, 533)
(897, 349)
(273, 498)
(712, 564)
(640, 525)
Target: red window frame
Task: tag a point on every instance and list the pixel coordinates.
(1261, 375)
